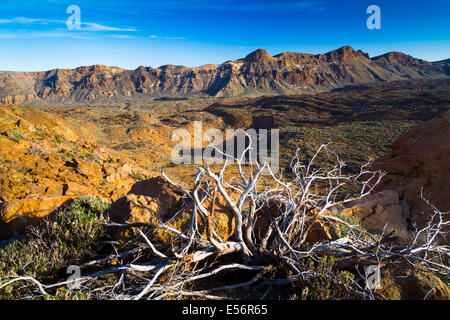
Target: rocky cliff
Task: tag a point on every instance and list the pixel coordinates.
(419, 164)
(256, 74)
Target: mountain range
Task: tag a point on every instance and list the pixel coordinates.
(256, 74)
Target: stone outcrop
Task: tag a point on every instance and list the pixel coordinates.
(402, 282)
(420, 162)
(148, 201)
(15, 215)
(375, 211)
(41, 155)
(155, 200)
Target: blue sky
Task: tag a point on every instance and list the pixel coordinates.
(127, 34)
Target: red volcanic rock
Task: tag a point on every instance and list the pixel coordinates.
(154, 200)
(256, 74)
(399, 58)
(345, 53)
(420, 159)
(16, 214)
(258, 56)
(147, 198)
(379, 211)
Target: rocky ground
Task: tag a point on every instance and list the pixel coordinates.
(52, 155)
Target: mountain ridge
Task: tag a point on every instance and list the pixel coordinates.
(256, 74)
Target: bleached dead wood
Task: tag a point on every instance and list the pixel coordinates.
(291, 205)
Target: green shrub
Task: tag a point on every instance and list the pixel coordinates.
(64, 293)
(16, 136)
(347, 219)
(69, 237)
(88, 155)
(327, 281)
(137, 175)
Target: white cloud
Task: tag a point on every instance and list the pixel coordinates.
(238, 5)
(20, 20)
(167, 38)
(98, 27)
(122, 36)
(85, 26)
(43, 34)
(174, 38)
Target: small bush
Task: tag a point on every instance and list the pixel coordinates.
(351, 221)
(88, 155)
(16, 136)
(67, 238)
(327, 281)
(65, 294)
(137, 175)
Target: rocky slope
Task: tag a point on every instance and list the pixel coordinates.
(48, 155)
(41, 155)
(419, 163)
(256, 74)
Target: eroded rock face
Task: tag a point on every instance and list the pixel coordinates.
(148, 201)
(15, 215)
(256, 74)
(375, 211)
(155, 200)
(420, 160)
(402, 282)
(42, 156)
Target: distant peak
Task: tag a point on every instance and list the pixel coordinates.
(346, 52)
(398, 57)
(346, 49)
(259, 55)
(393, 55)
(93, 68)
(172, 67)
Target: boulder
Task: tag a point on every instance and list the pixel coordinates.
(87, 168)
(154, 200)
(124, 170)
(148, 201)
(66, 132)
(223, 218)
(26, 125)
(75, 189)
(378, 210)
(110, 178)
(15, 215)
(320, 231)
(363, 207)
(402, 282)
(391, 216)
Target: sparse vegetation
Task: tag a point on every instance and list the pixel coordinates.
(187, 257)
(88, 155)
(67, 238)
(137, 175)
(266, 260)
